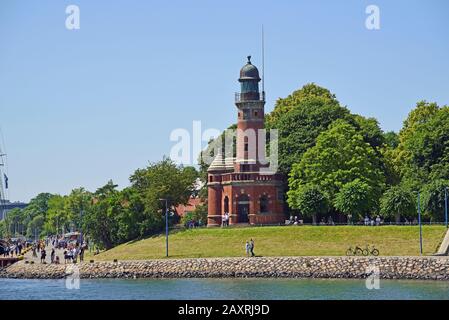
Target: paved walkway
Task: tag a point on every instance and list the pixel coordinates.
(59, 252)
(444, 247)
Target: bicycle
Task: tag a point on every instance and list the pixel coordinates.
(358, 251)
(373, 252)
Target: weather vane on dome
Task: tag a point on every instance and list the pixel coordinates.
(249, 59)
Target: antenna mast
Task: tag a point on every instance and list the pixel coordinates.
(3, 197)
(263, 62)
(2, 190)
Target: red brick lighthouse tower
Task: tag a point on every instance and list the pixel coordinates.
(240, 186)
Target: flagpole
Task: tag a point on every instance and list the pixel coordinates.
(2, 191)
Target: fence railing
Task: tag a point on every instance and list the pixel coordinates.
(249, 96)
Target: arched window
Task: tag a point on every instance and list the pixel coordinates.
(226, 204)
(263, 204)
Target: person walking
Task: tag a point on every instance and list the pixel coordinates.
(74, 255)
(43, 255)
(251, 247)
(247, 248)
(52, 256)
(82, 253)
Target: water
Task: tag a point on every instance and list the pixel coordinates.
(232, 289)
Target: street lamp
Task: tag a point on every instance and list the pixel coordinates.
(419, 222)
(445, 206)
(81, 226)
(166, 225)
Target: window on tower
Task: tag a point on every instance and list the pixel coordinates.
(249, 86)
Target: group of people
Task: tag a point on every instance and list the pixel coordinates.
(249, 247)
(294, 221)
(225, 220)
(194, 224)
(15, 248)
(72, 250)
(371, 222)
(72, 253)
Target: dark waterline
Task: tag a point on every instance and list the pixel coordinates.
(235, 289)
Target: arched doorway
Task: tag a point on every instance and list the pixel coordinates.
(264, 204)
(243, 208)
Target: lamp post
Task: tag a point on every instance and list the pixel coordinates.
(419, 222)
(166, 225)
(80, 226)
(445, 206)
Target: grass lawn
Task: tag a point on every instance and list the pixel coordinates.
(280, 241)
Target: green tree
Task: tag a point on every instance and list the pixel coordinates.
(164, 180)
(100, 218)
(77, 204)
(308, 91)
(300, 119)
(398, 201)
(369, 129)
(56, 216)
(433, 199)
(391, 139)
(423, 144)
(199, 215)
(15, 222)
(36, 226)
(339, 157)
(131, 217)
(3, 230)
(355, 198)
(309, 200)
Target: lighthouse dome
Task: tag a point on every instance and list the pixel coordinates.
(249, 71)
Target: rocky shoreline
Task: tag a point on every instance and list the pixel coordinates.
(422, 268)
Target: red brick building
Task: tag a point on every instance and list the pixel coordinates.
(243, 186)
(182, 209)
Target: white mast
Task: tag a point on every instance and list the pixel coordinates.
(2, 176)
(263, 62)
(2, 190)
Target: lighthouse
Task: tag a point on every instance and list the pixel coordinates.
(237, 186)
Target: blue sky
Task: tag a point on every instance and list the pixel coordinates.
(80, 107)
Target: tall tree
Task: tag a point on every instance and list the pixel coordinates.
(423, 143)
(398, 201)
(340, 156)
(309, 200)
(355, 198)
(56, 218)
(100, 219)
(433, 199)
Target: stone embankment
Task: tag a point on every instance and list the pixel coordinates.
(424, 268)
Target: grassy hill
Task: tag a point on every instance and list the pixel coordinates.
(280, 241)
